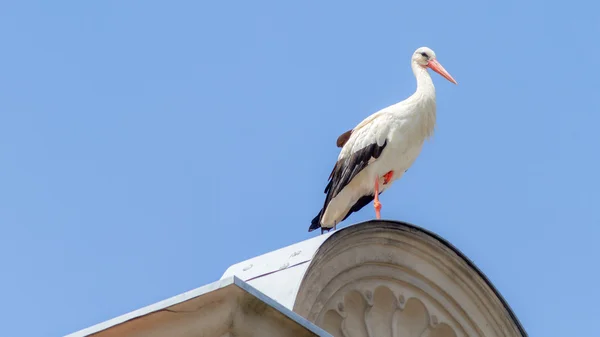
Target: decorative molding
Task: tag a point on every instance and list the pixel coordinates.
(382, 313)
(384, 279)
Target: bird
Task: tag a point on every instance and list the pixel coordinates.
(381, 148)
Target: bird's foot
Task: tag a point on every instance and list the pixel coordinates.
(376, 203)
(377, 206)
(387, 177)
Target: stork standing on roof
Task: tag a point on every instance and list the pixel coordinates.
(381, 148)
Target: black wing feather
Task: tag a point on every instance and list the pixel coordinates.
(342, 174)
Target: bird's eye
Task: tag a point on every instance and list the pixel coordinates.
(424, 54)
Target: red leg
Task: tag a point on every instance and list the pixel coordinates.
(376, 203)
(387, 177)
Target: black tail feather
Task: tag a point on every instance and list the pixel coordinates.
(316, 222)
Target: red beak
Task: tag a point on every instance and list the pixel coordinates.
(437, 67)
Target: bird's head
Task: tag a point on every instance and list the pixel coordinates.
(425, 57)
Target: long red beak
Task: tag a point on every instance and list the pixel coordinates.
(437, 67)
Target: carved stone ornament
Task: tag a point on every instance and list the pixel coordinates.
(384, 279)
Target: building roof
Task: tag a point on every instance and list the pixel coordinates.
(286, 267)
(174, 316)
(284, 279)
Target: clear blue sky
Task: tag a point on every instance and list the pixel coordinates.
(145, 146)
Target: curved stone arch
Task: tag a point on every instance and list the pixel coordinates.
(363, 278)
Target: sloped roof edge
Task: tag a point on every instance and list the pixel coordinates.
(195, 293)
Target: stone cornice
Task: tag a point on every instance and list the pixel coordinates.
(384, 277)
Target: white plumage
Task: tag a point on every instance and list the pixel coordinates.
(389, 140)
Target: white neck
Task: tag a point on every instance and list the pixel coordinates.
(423, 102)
(424, 82)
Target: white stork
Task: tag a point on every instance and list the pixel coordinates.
(381, 148)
